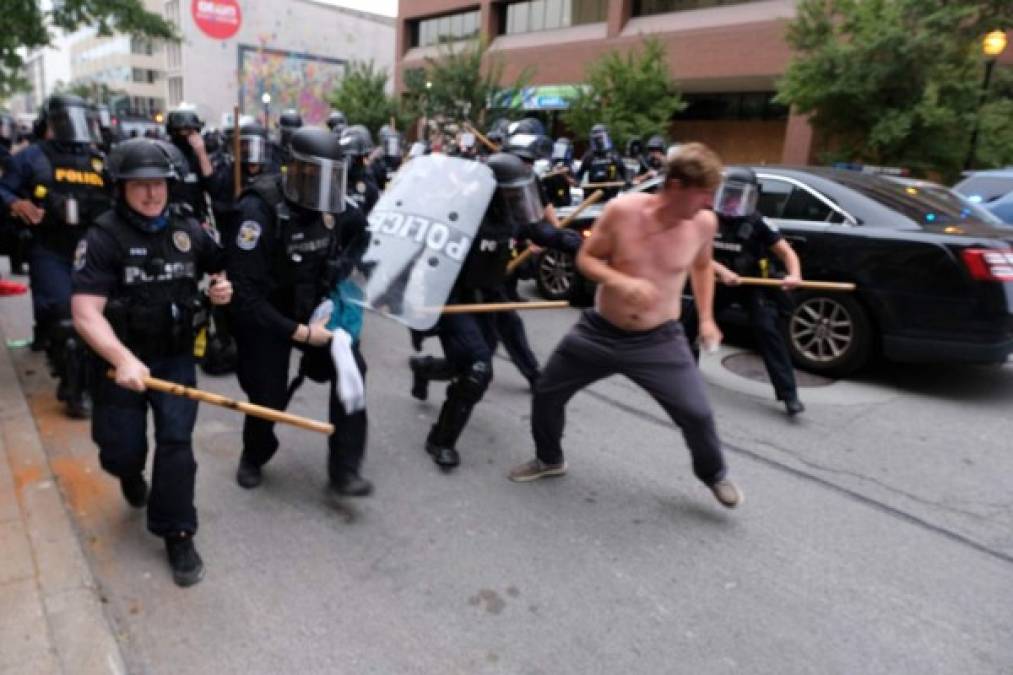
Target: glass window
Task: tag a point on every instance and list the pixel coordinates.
(773, 196)
(460, 26)
(535, 15)
(803, 205)
(983, 189)
(648, 7)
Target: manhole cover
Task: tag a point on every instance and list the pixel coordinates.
(750, 366)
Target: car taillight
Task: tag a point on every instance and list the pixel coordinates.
(988, 264)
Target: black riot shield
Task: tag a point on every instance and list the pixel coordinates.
(420, 233)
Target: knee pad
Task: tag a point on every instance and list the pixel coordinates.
(470, 386)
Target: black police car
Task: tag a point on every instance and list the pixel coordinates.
(934, 277)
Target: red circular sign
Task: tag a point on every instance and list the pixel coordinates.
(219, 19)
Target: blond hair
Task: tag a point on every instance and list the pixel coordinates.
(694, 165)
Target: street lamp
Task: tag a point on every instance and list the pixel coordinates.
(992, 46)
(266, 100)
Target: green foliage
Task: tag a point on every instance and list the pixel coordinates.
(633, 93)
(893, 82)
(456, 87)
(995, 135)
(362, 96)
(26, 26)
(92, 91)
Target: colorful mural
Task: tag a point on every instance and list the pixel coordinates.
(294, 80)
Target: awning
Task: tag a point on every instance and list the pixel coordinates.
(544, 97)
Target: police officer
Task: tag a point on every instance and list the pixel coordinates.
(515, 211)
(653, 162)
(288, 122)
(9, 240)
(742, 247)
(57, 187)
(284, 259)
(558, 181)
(601, 163)
(336, 122)
(386, 159)
(356, 143)
(202, 180)
(135, 291)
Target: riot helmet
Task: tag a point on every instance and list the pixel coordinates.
(288, 122)
(252, 143)
(69, 119)
(182, 120)
(738, 192)
(562, 151)
(601, 142)
(517, 191)
(496, 136)
(656, 144)
(527, 125)
(8, 129)
(337, 122)
(144, 159)
(356, 141)
(529, 147)
(634, 147)
(316, 172)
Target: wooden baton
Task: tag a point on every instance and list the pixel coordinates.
(486, 308)
(812, 285)
(480, 136)
(527, 253)
(616, 183)
(251, 409)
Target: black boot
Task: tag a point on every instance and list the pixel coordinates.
(248, 475)
(443, 436)
(135, 490)
(79, 406)
(351, 484)
(187, 567)
(793, 406)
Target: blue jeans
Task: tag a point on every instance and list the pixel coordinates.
(119, 428)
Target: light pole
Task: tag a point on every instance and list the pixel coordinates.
(992, 46)
(266, 100)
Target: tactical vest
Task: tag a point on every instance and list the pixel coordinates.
(189, 192)
(732, 245)
(558, 190)
(153, 308)
(485, 265)
(304, 261)
(603, 169)
(73, 194)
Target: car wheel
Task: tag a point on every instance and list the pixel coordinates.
(829, 334)
(555, 275)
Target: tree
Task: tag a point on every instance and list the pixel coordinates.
(892, 82)
(634, 94)
(91, 90)
(460, 85)
(26, 26)
(362, 96)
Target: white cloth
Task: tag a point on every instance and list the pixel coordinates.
(351, 389)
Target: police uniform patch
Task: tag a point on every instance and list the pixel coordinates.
(360, 187)
(97, 164)
(80, 255)
(249, 235)
(328, 220)
(181, 240)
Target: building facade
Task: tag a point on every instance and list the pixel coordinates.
(296, 51)
(726, 56)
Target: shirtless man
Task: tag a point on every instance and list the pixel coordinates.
(640, 252)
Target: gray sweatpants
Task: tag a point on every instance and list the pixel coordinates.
(659, 360)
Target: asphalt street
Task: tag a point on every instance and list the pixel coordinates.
(876, 536)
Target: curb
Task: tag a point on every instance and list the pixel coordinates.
(79, 633)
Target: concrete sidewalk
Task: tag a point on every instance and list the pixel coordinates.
(52, 619)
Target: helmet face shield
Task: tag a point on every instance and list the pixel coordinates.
(253, 149)
(521, 201)
(600, 141)
(316, 183)
(8, 129)
(561, 151)
(736, 199)
(74, 125)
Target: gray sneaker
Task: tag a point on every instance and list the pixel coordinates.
(727, 493)
(535, 469)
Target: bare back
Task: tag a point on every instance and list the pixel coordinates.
(642, 243)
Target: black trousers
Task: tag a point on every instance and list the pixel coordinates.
(508, 328)
(119, 428)
(263, 371)
(658, 360)
(766, 317)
